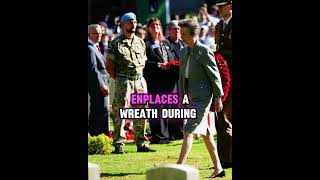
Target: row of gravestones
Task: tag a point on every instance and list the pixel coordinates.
(166, 172)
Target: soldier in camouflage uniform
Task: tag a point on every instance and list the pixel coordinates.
(125, 64)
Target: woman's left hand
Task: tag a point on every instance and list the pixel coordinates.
(218, 104)
(164, 66)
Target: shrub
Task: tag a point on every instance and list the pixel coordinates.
(100, 144)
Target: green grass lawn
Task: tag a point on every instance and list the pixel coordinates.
(133, 165)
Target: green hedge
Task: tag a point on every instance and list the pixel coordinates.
(100, 144)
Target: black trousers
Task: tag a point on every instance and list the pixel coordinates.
(158, 127)
(165, 129)
(98, 117)
(224, 140)
(175, 129)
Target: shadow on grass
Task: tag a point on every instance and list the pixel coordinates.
(130, 142)
(180, 143)
(173, 143)
(118, 174)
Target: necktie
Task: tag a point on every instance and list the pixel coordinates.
(97, 46)
(224, 25)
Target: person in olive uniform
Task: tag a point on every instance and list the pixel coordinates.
(223, 40)
(125, 63)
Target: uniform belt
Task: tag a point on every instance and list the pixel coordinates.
(131, 78)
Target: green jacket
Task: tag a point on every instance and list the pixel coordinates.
(204, 79)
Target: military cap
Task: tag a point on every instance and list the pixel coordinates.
(222, 2)
(128, 17)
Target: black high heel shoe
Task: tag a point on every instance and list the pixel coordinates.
(221, 174)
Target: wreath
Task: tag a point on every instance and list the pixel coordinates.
(225, 77)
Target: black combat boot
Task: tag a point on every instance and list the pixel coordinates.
(119, 150)
(145, 149)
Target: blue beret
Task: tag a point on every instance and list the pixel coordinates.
(128, 17)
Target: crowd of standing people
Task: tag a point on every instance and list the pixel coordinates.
(128, 57)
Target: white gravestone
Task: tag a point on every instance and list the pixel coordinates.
(93, 171)
(173, 172)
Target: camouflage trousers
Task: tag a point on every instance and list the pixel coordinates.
(123, 89)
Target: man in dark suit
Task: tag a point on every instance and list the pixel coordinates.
(97, 84)
(223, 38)
(175, 43)
(174, 38)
